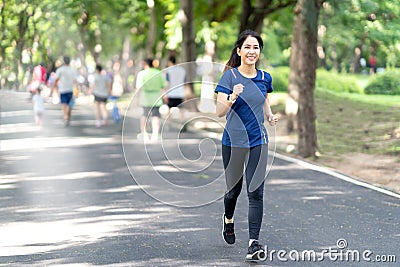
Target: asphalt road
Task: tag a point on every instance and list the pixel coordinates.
(87, 196)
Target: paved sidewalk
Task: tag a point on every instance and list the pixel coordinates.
(87, 196)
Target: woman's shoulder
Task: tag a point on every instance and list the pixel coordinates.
(230, 73)
(266, 76)
(226, 74)
(263, 72)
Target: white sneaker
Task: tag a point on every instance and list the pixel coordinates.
(154, 137)
(143, 137)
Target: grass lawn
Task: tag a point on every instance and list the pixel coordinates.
(357, 123)
(353, 123)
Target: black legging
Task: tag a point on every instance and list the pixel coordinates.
(234, 160)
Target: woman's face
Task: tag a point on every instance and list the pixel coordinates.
(250, 51)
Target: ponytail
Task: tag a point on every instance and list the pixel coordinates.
(234, 61)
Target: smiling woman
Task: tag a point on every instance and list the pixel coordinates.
(243, 98)
(249, 54)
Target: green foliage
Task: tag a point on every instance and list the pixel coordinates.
(325, 80)
(273, 52)
(368, 25)
(217, 21)
(226, 37)
(337, 82)
(44, 30)
(280, 78)
(277, 36)
(387, 83)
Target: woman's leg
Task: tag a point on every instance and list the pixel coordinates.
(255, 175)
(233, 160)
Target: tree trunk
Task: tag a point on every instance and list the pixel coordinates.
(83, 33)
(334, 58)
(245, 16)
(189, 46)
(2, 36)
(151, 36)
(82, 56)
(125, 57)
(303, 64)
(356, 65)
(24, 17)
(254, 12)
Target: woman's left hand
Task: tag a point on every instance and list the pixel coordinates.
(272, 119)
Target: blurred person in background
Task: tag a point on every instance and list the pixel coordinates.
(38, 106)
(39, 76)
(101, 89)
(66, 80)
(150, 82)
(175, 76)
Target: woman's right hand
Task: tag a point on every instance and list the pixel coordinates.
(237, 90)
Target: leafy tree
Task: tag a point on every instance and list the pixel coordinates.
(254, 12)
(353, 29)
(17, 19)
(277, 32)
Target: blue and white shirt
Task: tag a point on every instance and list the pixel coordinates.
(245, 120)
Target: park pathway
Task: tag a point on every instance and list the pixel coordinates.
(87, 196)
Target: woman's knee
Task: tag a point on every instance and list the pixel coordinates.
(256, 195)
(233, 193)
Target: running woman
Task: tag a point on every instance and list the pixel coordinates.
(243, 98)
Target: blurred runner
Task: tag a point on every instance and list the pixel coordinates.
(176, 76)
(151, 83)
(38, 78)
(101, 89)
(38, 106)
(66, 80)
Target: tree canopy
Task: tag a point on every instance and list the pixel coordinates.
(33, 31)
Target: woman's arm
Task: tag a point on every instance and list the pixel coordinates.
(272, 119)
(223, 105)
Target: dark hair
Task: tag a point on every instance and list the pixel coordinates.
(99, 68)
(234, 61)
(149, 61)
(172, 59)
(66, 60)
